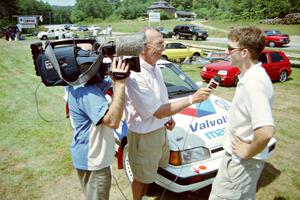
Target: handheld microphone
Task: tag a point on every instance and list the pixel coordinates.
(214, 82)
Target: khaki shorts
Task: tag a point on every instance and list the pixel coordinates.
(146, 152)
(236, 180)
(95, 184)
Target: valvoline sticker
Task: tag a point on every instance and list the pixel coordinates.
(201, 109)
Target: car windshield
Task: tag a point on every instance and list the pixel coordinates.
(178, 84)
(196, 28)
(273, 32)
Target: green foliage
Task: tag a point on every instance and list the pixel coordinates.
(231, 10)
(77, 15)
(61, 14)
(132, 12)
(33, 7)
(90, 8)
(165, 15)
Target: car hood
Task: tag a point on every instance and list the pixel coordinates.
(220, 65)
(201, 124)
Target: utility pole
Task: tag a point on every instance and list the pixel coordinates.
(49, 17)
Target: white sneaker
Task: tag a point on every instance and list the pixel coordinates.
(144, 198)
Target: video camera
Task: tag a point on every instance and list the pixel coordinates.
(64, 62)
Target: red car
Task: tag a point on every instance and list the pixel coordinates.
(276, 64)
(276, 38)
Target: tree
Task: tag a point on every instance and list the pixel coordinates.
(91, 8)
(7, 9)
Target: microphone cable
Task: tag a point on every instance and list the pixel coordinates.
(38, 108)
(46, 120)
(177, 176)
(119, 187)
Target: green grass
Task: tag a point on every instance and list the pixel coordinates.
(292, 29)
(29, 147)
(34, 155)
(135, 26)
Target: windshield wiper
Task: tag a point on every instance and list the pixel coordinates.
(181, 92)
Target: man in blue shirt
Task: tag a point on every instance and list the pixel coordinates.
(93, 120)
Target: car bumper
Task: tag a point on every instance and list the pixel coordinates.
(280, 43)
(174, 180)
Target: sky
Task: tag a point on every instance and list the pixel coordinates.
(61, 2)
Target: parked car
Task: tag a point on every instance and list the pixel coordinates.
(276, 64)
(210, 58)
(83, 28)
(276, 38)
(74, 27)
(165, 32)
(52, 33)
(93, 27)
(195, 142)
(57, 33)
(178, 51)
(189, 31)
(67, 26)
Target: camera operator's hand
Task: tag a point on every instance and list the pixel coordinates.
(120, 73)
(120, 70)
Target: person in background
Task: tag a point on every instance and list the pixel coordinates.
(250, 123)
(148, 115)
(109, 30)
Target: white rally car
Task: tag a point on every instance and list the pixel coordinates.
(195, 142)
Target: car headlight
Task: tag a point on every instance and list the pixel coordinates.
(189, 156)
(204, 69)
(200, 34)
(222, 72)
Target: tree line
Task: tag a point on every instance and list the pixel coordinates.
(113, 10)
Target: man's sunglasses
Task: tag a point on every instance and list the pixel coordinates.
(230, 48)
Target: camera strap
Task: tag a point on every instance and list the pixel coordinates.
(82, 78)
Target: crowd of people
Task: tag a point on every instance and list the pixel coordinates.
(12, 33)
(143, 99)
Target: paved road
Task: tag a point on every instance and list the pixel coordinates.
(293, 45)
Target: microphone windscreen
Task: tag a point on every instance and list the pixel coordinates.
(130, 45)
(214, 82)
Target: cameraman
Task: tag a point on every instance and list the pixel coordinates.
(92, 147)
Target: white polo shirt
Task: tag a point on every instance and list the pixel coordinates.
(251, 108)
(145, 93)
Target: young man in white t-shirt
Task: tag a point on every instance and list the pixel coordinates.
(250, 123)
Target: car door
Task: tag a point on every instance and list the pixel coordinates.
(272, 62)
(177, 50)
(51, 33)
(185, 31)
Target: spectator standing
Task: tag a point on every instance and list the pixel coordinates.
(109, 30)
(250, 123)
